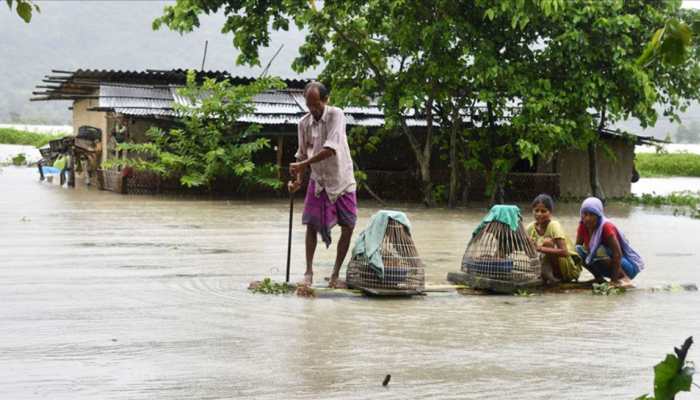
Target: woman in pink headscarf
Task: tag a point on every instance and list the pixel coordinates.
(604, 249)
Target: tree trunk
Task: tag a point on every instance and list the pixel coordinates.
(452, 196)
(423, 154)
(423, 162)
(427, 182)
(496, 183)
(596, 188)
(498, 194)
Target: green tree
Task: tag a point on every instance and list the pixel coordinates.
(24, 8)
(210, 143)
(591, 57)
(413, 58)
(532, 76)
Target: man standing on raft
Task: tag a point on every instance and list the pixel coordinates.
(330, 195)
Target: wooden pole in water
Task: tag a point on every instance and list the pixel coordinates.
(289, 239)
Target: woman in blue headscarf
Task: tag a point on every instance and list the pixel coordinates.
(604, 249)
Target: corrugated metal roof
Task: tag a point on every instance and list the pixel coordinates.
(271, 119)
(298, 96)
(370, 110)
(136, 91)
(82, 82)
(275, 107)
(278, 102)
(146, 112)
(113, 96)
(278, 97)
(377, 122)
(271, 108)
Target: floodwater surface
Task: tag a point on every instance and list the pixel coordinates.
(666, 186)
(135, 297)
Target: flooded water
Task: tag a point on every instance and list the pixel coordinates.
(7, 151)
(133, 297)
(665, 186)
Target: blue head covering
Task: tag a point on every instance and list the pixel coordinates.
(593, 205)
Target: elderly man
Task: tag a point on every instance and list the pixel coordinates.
(330, 195)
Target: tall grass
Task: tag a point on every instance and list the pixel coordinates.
(676, 164)
(14, 136)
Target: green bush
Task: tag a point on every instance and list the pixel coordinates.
(14, 136)
(209, 143)
(677, 164)
(19, 160)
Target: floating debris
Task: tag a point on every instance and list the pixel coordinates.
(386, 380)
(268, 286)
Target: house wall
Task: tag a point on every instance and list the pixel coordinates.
(138, 128)
(615, 174)
(98, 119)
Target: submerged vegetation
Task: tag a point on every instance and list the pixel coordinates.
(685, 203)
(14, 136)
(606, 289)
(268, 286)
(677, 164)
(19, 159)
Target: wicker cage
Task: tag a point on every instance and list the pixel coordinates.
(403, 268)
(501, 259)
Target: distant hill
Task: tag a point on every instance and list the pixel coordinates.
(68, 35)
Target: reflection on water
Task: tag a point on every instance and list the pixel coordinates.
(129, 297)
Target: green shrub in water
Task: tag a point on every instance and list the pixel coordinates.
(687, 201)
(19, 160)
(606, 289)
(268, 286)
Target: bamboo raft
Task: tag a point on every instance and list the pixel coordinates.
(456, 287)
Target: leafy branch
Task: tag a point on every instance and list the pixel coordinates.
(673, 374)
(24, 8)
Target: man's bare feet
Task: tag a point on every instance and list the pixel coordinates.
(335, 283)
(308, 280)
(594, 280)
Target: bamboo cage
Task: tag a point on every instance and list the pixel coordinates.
(403, 268)
(501, 259)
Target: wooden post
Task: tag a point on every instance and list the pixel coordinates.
(41, 172)
(280, 156)
(71, 172)
(452, 195)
